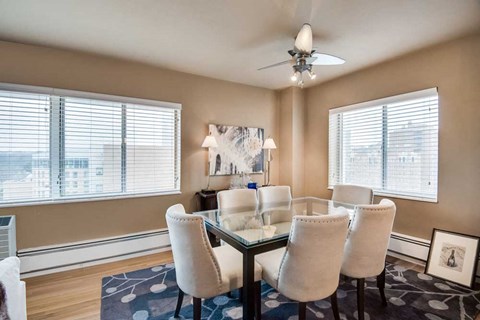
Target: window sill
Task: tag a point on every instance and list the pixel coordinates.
(87, 199)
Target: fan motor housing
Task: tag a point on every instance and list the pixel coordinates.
(302, 65)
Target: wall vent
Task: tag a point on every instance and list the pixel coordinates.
(8, 245)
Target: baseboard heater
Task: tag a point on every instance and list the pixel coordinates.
(45, 260)
(50, 259)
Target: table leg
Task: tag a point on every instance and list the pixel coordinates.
(248, 286)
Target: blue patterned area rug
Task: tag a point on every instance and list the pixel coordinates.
(151, 294)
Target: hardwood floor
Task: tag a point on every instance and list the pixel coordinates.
(76, 294)
(406, 264)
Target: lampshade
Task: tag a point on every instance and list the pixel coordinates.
(303, 42)
(209, 142)
(269, 144)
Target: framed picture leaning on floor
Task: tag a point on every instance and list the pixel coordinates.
(453, 257)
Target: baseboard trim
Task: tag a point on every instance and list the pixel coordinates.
(52, 259)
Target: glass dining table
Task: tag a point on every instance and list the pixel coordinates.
(255, 230)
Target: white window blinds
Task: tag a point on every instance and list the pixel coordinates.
(67, 145)
(150, 149)
(389, 144)
(92, 157)
(24, 146)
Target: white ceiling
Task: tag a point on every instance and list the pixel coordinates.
(231, 39)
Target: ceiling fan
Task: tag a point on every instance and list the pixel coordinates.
(304, 57)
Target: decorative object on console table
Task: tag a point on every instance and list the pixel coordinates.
(239, 150)
(209, 142)
(453, 257)
(268, 145)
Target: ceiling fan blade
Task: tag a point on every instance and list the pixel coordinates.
(310, 60)
(326, 59)
(303, 42)
(276, 64)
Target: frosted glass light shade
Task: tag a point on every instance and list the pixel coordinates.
(209, 142)
(269, 144)
(303, 42)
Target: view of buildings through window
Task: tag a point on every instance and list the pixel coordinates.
(54, 147)
(392, 148)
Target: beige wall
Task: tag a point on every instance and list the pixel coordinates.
(292, 137)
(285, 136)
(302, 116)
(204, 101)
(454, 68)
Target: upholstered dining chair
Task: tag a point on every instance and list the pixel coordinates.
(203, 271)
(366, 247)
(235, 198)
(274, 194)
(352, 194)
(308, 268)
(274, 216)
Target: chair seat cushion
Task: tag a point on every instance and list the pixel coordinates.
(230, 262)
(270, 262)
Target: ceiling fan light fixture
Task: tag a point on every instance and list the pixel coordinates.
(303, 58)
(295, 76)
(303, 42)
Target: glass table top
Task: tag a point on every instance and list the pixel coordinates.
(254, 225)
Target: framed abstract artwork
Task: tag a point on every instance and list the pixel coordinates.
(239, 150)
(453, 257)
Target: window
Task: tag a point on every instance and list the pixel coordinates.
(56, 143)
(389, 144)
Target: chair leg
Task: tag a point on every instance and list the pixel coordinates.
(333, 299)
(179, 303)
(361, 298)
(302, 310)
(197, 308)
(381, 287)
(258, 300)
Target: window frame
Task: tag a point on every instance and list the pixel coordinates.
(383, 102)
(57, 137)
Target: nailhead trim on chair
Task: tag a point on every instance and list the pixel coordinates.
(207, 244)
(369, 211)
(321, 221)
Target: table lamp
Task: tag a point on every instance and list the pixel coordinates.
(268, 145)
(209, 142)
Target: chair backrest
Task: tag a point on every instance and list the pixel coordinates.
(310, 268)
(274, 194)
(367, 242)
(237, 198)
(269, 197)
(196, 267)
(352, 194)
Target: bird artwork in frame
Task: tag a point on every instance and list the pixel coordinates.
(239, 150)
(454, 257)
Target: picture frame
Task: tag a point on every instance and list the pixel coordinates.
(453, 257)
(239, 150)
